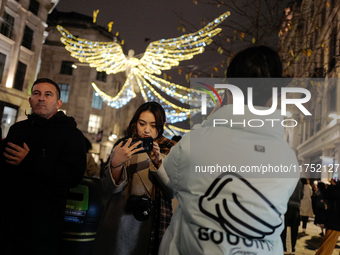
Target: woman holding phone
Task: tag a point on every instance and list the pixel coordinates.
(138, 211)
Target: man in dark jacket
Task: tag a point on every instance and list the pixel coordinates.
(43, 156)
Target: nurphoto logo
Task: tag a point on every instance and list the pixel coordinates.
(238, 100)
(204, 97)
(251, 97)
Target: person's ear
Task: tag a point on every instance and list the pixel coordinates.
(59, 103)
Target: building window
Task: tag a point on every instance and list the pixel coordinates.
(20, 76)
(97, 101)
(28, 37)
(332, 50)
(64, 89)
(2, 65)
(66, 67)
(95, 123)
(101, 76)
(332, 101)
(8, 119)
(318, 117)
(7, 25)
(34, 7)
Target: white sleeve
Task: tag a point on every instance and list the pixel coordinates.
(197, 126)
(170, 165)
(163, 179)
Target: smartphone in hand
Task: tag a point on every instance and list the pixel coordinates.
(18, 140)
(147, 144)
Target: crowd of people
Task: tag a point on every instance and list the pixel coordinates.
(229, 213)
(319, 201)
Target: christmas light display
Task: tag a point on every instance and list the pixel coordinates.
(159, 55)
(173, 130)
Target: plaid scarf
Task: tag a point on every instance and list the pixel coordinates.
(163, 205)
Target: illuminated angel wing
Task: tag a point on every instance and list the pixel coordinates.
(166, 53)
(104, 56)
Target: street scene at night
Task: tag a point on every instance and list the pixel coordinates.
(170, 127)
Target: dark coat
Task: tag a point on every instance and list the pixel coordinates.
(332, 196)
(34, 193)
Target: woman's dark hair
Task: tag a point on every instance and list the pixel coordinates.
(256, 62)
(321, 186)
(156, 109)
(304, 181)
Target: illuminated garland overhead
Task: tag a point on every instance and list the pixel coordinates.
(159, 55)
(172, 130)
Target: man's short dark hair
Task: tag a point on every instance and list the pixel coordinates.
(46, 80)
(256, 62)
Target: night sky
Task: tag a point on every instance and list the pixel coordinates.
(137, 20)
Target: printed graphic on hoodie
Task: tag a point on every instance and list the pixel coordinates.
(234, 210)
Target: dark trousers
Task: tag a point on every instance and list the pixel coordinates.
(30, 234)
(304, 220)
(292, 219)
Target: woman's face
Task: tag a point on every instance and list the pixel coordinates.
(146, 125)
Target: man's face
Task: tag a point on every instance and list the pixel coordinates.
(44, 100)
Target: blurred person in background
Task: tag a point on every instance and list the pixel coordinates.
(91, 166)
(306, 209)
(314, 189)
(320, 206)
(292, 217)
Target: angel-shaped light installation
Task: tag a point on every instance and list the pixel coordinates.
(159, 55)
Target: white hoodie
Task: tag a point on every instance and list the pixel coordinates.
(223, 210)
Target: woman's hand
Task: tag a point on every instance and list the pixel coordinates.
(155, 154)
(124, 153)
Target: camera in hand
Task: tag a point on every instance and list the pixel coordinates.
(147, 144)
(141, 206)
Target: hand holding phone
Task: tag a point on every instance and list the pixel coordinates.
(155, 154)
(14, 153)
(122, 153)
(146, 144)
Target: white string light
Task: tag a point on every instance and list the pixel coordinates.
(159, 55)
